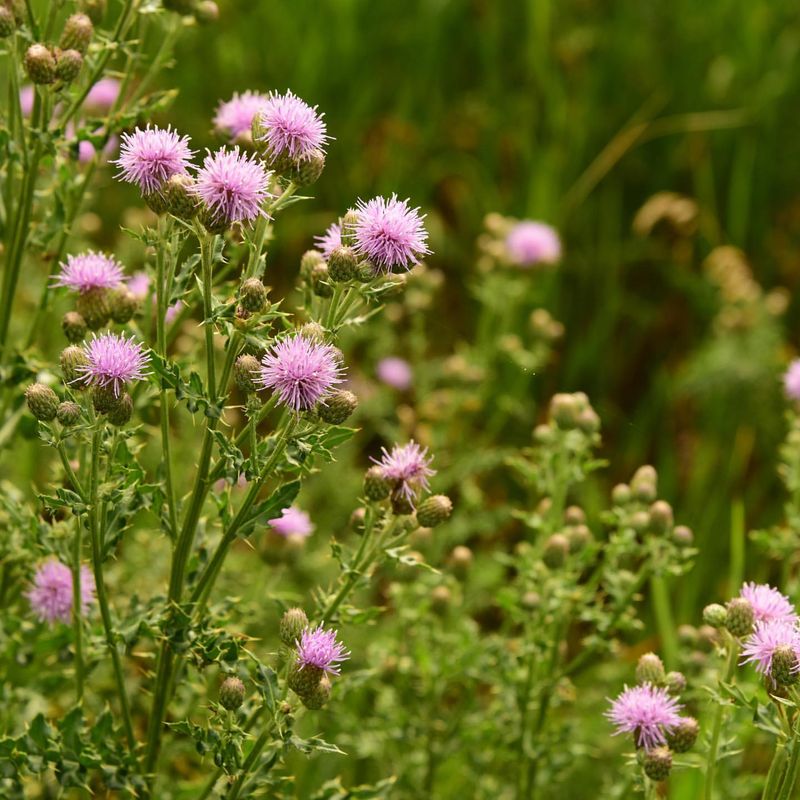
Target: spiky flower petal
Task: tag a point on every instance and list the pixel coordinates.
(90, 270)
(768, 603)
(291, 127)
(50, 595)
(150, 157)
(235, 116)
(319, 648)
(529, 243)
(112, 360)
(645, 711)
(293, 521)
(408, 467)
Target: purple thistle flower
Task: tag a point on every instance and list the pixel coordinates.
(150, 157)
(395, 372)
(291, 126)
(50, 595)
(768, 603)
(646, 712)
(139, 285)
(766, 638)
(293, 521)
(301, 371)
(330, 240)
(529, 243)
(172, 312)
(389, 233)
(408, 466)
(113, 360)
(791, 380)
(233, 186)
(102, 95)
(319, 648)
(90, 270)
(27, 95)
(235, 116)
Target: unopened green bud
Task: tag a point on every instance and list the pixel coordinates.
(556, 549)
(253, 295)
(310, 259)
(156, 201)
(245, 373)
(531, 601)
(94, 307)
(543, 434)
(650, 669)
(303, 681)
(180, 199)
(434, 510)
(347, 225)
(77, 34)
(231, 693)
(661, 517)
(307, 170)
(658, 763)
(104, 399)
(579, 536)
(68, 413)
(682, 535)
(40, 64)
(320, 281)
(621, 494)
(293, 622)
(675, 682)
(68, 65)
(74, 326)
(644, 484)
(441, 598)
(687, 635)
(123, 305)
(564, 411)
(574, 515)
(319, 695)
(366, 271)
(342, 264)
(640, 521)
(715, 615)
(7, 22)
(94, 9)
(784, 669)
(72, 358)
(357, 520)
(42, 401)
(337, 407)
(313, 331)
(402, 504)
(461, 560)
(682, 737)
(376, 486)
(206, 12)
(740, 617)
(121, 412)
(589, 421)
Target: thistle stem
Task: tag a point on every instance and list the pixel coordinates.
(251, 760)
(77, 623)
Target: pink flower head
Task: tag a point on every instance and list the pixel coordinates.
(330, 240)
(319, 648)
(395, 372)
(645, 711)
(90, 270)
(409, 467)
(389, 233)
(291, 126)
(768, 603)
(235, 116)
(139, 285)
(766, 638)
(150, 157)
(172, 312)
(26, 98)
(292, 522)
(233, 186)
(102, 95)
(113, 360)
(301, 371)
(529, 243)
(50, 595)
(791, 380)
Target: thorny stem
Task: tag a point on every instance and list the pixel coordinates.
(251, 760)
(77, 623)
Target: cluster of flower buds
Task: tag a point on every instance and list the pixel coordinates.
(47, 64)
(544, 327)
(316, 655)
(253, 302)
(650, 711)
(571, 539)
(569, 414)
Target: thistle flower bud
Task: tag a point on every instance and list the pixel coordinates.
(68, 65)
(556, 549)
(574, 515)
(337, 407)
(245, 373)
(707, 637)
(293, 622)
(740, 617)
(74, 326)
(309, 260)
(640, 521)
(644, 484)
(621, 494)
(531, 601)
(347, 225)
(402, 505)
(94, 9)
(122, 305)
(40, 64)
(313, 331)
(366, 271)
(588, 421)
(441, 599)
(658, 763)
(206, 12)
(231, 693)
(675, 682)
(661, 517)
(542, 434)
(434, 510)
(578, 536)
(376, 487)
(94, 307)
(461, 560)
(682, 737)
(306, 170)
(156, 201)
(180, 199)
(103, 399)
(304, 679)
(687, 635)
(715, 615)
(342, 264)
(253, 295)
(564, 411)
(320, 281)
(650, 669)
(357, 520)
(77, 33)
(682, 535)
(42, 401)
(68, 413)
(784, 669)
(318, 696)
(121, 412)
(7, 22)
(71, 358)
